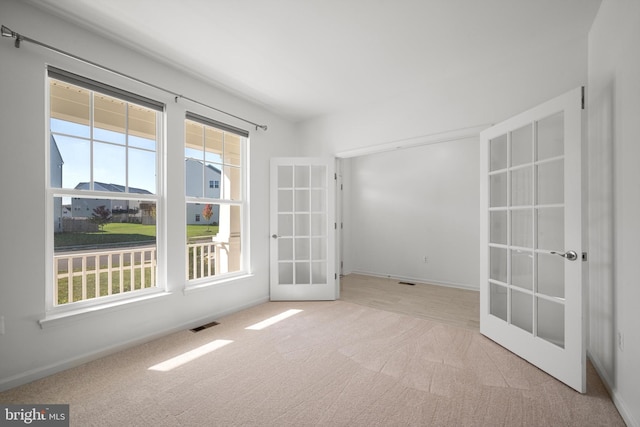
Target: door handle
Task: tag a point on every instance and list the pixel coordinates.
(275, 236)
(570, 255)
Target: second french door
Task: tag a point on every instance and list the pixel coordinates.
(531, 290)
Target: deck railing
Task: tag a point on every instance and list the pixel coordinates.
(83, 275)
(202, 259)
(90, 274)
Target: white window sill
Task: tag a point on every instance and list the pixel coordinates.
(69, 316)
(198, 286)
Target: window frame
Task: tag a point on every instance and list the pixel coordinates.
(243, 203)
(139, 97)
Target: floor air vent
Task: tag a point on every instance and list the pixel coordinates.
(208, 325)
(407, 283)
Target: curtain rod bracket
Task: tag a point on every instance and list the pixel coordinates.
(7, 32)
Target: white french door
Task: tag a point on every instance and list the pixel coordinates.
(531, 291)
(302, 216)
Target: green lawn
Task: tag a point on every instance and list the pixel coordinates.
(127, 228)
(114, 233)
(195, 231)
(118, 233)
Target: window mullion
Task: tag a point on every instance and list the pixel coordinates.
(91, 140)
(126, 148)
(204, 162)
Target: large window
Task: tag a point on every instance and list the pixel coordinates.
(215, 183)
(103, 159)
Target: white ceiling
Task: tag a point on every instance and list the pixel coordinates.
(305, 58)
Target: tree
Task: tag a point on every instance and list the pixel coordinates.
(101, 216)
(207, 213)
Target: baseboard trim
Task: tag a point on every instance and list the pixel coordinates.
(45, 371)
(418, 280)
(615, 396)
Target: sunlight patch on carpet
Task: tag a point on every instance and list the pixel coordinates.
(189, 356)
(275, 319)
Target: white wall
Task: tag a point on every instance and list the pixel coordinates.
(614, 200)
(27, 351)
(486, 96)
(416, 202)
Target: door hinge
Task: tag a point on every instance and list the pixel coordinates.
(335, 225)
(582, 106)
(335, 176)
(335, 276)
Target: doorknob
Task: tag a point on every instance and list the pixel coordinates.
(571, 255)
(275, 236)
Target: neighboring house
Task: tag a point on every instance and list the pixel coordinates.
(132, 210)
(194, 188)
(56, 182)
(122, 210)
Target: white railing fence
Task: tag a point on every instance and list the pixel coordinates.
(204, 259)
(91, 274)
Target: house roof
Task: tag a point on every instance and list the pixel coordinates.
(114, 188)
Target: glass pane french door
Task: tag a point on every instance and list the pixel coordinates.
(302, 239)
(527, 223)
(531, 290)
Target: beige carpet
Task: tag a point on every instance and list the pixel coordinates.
(332, 364)
(453, 306)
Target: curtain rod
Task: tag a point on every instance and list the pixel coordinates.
(6, 32)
